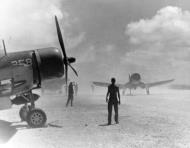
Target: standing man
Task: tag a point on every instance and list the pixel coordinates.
(114, 95)
(70, 94)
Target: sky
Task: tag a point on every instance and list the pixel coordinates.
(109, 38)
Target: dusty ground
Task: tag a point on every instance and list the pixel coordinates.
(156, 121)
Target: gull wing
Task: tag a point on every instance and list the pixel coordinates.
(101, 84)
(105, 84)
(180, 86)
(158, 83)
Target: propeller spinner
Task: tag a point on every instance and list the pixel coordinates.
(67, 60)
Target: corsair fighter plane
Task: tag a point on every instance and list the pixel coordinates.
(21, 72)
(134, 82)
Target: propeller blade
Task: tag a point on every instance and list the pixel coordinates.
(4, 47)
(73, 69)
(66, 60)
(66, 77)
(60, 37)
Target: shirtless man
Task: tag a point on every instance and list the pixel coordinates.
(114, 100)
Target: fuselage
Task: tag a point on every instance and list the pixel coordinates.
(20, 71)
(135, 81)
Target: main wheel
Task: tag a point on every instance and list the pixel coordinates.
(36, 118)
(23, 113)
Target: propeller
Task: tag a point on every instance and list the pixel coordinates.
(67, 60)
(4, 47)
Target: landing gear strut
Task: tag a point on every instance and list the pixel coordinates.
(33, 116)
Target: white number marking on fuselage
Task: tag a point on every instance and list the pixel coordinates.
(26, 61)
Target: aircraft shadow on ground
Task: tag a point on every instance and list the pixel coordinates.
(8, 130)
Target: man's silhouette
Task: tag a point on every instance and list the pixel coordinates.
(70, 94)
(114, 95)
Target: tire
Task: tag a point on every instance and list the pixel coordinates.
(23, 113)
(36, 118)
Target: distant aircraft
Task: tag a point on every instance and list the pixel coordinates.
(22, 72)
(134, 82)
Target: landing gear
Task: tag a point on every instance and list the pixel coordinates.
(36, 118)
(23, 113)
(33, 116)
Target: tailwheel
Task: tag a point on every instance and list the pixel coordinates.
(36, 118)
(23, 112)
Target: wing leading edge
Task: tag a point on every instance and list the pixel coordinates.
(158, 83)
(105, 84)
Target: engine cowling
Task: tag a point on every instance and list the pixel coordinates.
(50, 63)
(135, 77)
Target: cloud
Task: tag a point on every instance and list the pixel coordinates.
(73, 42)
(161, 44)
(167, 33)
(94, 54)
(171, 25)
(29, 24)
(87, 56)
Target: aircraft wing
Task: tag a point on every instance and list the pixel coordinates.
(14, 80)
(105, 84)
(101, 84)
(180, 86)
(158, 83)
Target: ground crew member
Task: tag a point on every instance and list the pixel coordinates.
(114, 95)
(70, 94)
